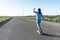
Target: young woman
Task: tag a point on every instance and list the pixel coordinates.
(38, 19)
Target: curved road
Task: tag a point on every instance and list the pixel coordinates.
(20, 28)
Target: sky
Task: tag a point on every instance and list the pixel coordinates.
(25, 7)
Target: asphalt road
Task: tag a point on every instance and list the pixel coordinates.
(20, 28)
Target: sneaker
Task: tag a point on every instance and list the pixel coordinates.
(41, 32)
(38, 31)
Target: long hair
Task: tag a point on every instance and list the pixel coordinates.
(39, 10)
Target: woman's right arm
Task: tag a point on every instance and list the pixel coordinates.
(34, 10)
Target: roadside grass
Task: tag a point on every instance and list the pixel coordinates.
(52, 18)
(31, 17)
(47, 18)
(4, 18)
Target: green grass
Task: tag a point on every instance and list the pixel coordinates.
(4, 18)
(31, 17)
(52, 18)
(47, 18)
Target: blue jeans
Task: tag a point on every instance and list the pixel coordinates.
(39, 25)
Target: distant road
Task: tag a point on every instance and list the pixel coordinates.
(20, 28)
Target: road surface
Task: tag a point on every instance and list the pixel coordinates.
(20, 28)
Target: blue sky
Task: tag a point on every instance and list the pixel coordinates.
(25, 7)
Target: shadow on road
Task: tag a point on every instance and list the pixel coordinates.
(51, 35)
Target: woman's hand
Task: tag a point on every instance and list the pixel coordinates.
(33, 9)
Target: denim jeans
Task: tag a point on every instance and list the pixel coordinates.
(39, 25)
